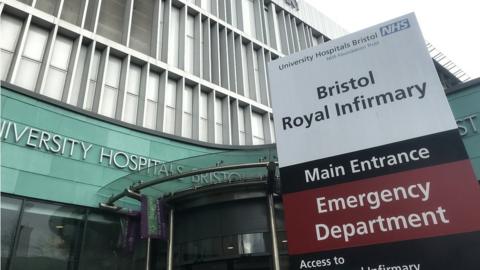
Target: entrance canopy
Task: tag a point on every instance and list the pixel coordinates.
(165, 179)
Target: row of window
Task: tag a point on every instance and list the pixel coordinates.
(85, 72)
(130, 92)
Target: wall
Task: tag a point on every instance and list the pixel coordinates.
(30, 168)
(464, 101)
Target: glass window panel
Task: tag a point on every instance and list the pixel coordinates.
(10, 212)
(5, 60)
(234, 12)
(113, 72)
(109, 101)
(257, 129)
(257, 125)
(48, 238)
(203, 129)
(169, 121)
(189, 53)
(95, 65)
(173, 43)
(252, 243)
(218, 133)
(249, 17)
(188, 99)
(242, 138)
(190, 44)
(204, 105)
(218, 111)
(151, 114)
(230, 245)
(131, 107)
(210, 248)
(35, 44)
(134, 79)
(91, 13)
(187, 125)
(246, 86)
(141, 32)
(10, 27)
(90, 95)
(207, 5)
(61, 52)
(153, 84)
(73, 99)
(241, 119)
(29, 76)
(160, 27)
(256, 75)
(71, 11)
(47, 6)
(102, 248)
(111, 19)
(55, 83)
(171, 94)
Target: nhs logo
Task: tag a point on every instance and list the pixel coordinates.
(394, 27)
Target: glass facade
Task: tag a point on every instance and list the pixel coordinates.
(42, 235)
(46, 236)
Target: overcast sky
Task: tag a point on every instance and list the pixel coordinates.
(451, 26)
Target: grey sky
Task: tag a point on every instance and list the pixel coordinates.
(451, 26)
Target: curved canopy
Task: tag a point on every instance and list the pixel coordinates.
(176, 176)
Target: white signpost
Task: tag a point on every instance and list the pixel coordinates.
(370, 157)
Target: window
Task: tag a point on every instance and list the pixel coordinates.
(187, 121)
(152, 101)
(241, 126)
(203, 117)
(10, 212)
(257, 129)
(112, 83)
(111, 19)
(71, 11)
(246, 85)
(73, 98)
(249, 17)
(32, 57)
(131, 97)
(190, 44)
(102, 248)
(141, 32)
(49, 237)
(47, 6)
(207, 5)
(170, 105)
(57, 73)
(92, 83)
(218, 121)
(253, 243)
(173, 42)
(256, 74)
(10, 27)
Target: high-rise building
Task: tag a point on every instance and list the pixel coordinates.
(102, 97)
(195, 69)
